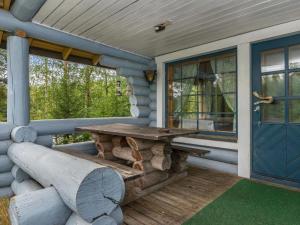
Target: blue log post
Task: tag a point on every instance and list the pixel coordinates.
(18, 81)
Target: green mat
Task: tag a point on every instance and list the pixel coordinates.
(250, 203)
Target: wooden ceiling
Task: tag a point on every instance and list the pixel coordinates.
(129, 24)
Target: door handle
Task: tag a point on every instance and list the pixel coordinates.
(263, 99)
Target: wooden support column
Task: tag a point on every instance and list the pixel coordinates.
(18, 80)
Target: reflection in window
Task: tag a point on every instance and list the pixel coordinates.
(294, 57)
(273, 85)
(203, 94)
(294, 109)
(272, 60)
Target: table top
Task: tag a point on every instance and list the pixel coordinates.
(149, 133)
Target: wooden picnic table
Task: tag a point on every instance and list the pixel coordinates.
(145, 149)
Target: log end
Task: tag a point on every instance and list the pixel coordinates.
(92, 202)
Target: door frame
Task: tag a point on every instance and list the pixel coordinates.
(256, 48)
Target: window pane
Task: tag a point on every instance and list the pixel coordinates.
(273, 112)
(226, 63)
(189, 103)
(226, 82)
(272, 60)
(189, 121)
(189, 71)
(273, 85)
(206, 124)
(174, 121)
(294, 84)
(294, 111)
(294, 57)
(177, 73)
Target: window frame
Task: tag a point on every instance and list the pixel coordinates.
(194, 59)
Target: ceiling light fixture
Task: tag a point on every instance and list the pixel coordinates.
(161, 26)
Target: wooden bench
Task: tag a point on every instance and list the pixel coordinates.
(126, 172)
(192, 151)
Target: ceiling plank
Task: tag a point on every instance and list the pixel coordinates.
(6, 4)
(66, 53)
(96, 59)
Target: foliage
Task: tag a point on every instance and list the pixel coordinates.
(60, 89)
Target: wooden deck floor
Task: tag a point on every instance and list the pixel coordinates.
(177, 202)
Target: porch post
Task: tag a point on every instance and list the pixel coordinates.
(18, 81)
(244, 110)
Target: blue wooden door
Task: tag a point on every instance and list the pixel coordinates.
(276, 121)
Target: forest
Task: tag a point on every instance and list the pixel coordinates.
(61, 89)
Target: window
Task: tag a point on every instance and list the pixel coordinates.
(60, 89)
(202, 93)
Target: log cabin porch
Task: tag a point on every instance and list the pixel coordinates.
(217, 82)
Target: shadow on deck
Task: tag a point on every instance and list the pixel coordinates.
(177, 202)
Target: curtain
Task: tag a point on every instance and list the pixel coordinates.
(225, 81)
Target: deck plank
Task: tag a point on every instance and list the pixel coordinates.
(178, 201)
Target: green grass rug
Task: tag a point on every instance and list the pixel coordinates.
(250, 203)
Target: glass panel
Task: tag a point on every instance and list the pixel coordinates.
(189, 121)
(226, 63)
(294, 84)
(224, 122)
(294, 57)
(294, 111)
(177, 72)
(273, 112)
(174, 121)
(272, 60)
(190, 103)
(205, 123)
(189, 71)
(226, 82)
(273, 85)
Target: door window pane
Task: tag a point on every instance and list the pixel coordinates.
(272, 60)
(274, 112)
(294, 57)
(273, 85)
(294, 84)
(294, 111)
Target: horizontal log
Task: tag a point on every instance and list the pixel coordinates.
(161, 162)
(140, 90)
(152, 115)
(123, 153)
(87, 147)
(127, 72)
(43, 206)
(6, 192)
(138, 81)
(179, 166)
(102, 137)
(25, 186)
(5, 164)
(139, 111)
(153, 123)
(153, 87)
(5, 130)
(116, 62)
(104, 146)
(139, 100)
(91, 191)
(151, 179)
(67, 126)
(23, 134)
(19, 174)
(102, 220)
(6, 179)
(46, 140)
(152, 96)
(161, 149)
(144, 166)
(139, 144)
(152, 105)
(4, 146)
(117, 215)
(144, 155)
